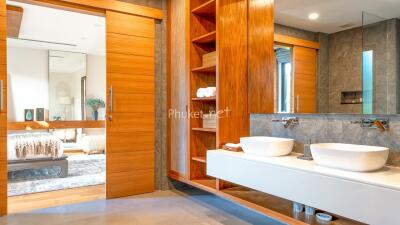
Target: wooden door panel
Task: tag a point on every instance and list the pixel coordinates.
(305, 67)
(130, 128)
(130, 64)
(3, 27)
(3, 124)
(129, 183)
(130, 122)
(117, 43)
(3, 54)
(134, 103)
(123, 142)
(120, 23)
(130, 161)
(3, 194)
(3, 8)
(131, 83)
(305, 80)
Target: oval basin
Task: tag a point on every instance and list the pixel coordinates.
(267, 146)
(359, 158)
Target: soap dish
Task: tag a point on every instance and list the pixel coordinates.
(324, 217)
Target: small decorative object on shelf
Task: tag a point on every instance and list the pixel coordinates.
(95, 104)
(210, 120)
(29, 114)
(42, 114)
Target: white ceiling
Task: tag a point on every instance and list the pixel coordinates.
(332, 13)
(67, 62)
(79, 32)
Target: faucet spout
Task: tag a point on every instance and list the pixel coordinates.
(380, 126)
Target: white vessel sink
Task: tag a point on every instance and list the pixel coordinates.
(360, 158)
(267, 146)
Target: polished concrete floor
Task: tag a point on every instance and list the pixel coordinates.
(186, 206)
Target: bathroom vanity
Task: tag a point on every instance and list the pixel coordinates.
(370, 198)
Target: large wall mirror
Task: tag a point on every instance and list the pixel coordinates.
(337, 56)
(67, 85)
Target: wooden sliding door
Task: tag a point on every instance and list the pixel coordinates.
(130, 105)
(305, 79)
(3, 110)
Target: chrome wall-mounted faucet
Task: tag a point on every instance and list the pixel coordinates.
(380, 124)
(288, 121)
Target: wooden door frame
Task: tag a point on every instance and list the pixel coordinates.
(93, 7)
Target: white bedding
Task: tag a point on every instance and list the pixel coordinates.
(30, 138)
(93, 143)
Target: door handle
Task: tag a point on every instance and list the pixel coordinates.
(297, 103)
(110, 105)
(1, 95)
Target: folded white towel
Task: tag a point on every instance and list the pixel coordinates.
(206, 92)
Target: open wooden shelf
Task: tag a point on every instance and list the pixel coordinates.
(45, 125)
(206, 9)
(208, 99)
(206, 38)
(210, 130)
(201, 159)
(205, 69)
(207, 183)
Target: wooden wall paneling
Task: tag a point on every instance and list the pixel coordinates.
(261, 59)
(130, 132)
(305, 80)
(99, 6)
(14, 19)
(232, 67)
(288, 40)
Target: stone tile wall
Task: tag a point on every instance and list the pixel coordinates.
(330, 128)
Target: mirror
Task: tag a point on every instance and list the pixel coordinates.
(337, 57)
(67, 85)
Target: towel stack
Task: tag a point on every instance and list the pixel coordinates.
(206, 92)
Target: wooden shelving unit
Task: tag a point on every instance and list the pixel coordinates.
(205, 99)
(228, 39)
(203, 38)
(204, 129)
(205, 69)
(45, 125)
(201, 159)
(207, 8)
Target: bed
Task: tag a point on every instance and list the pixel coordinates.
(35, 151)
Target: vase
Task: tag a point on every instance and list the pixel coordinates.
(95, 115)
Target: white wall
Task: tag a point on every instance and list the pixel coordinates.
(27, 81)
(96, 81)
(72, 89)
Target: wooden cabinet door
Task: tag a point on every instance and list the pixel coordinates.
(130, 105)
(3, 111)
(305, 79)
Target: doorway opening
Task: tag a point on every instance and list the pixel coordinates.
(56, 93)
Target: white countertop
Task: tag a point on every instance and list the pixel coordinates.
(388, 177)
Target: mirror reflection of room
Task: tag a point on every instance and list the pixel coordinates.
(355, 67)
(56, 93)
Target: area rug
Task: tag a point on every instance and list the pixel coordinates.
(83, 170)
